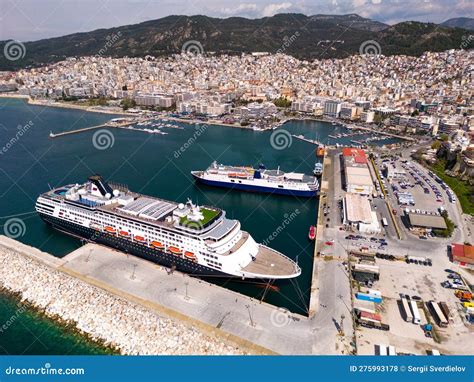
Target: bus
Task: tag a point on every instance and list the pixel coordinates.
(406, 310)
(438, 315)
(416, 312)
(384, 222)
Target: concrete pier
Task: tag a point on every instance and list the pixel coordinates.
(140, 306)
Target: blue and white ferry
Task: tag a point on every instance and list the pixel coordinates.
(258, 180)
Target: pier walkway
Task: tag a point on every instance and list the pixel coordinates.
(256, 327)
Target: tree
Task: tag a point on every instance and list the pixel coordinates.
(436, 145)
(282, 102)
(127, 103)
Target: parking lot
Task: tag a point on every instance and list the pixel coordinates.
(420, 283)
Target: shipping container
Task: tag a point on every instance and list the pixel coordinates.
(367, 297)
(437, 314)
(415, 312)
(406, 310)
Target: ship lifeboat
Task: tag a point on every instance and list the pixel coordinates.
(175, 250)
(312, 232)
(190, 255)
(139, 238)
(157, 244)
(123, 233)
(110, 229)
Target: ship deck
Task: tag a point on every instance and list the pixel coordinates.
(272, 264)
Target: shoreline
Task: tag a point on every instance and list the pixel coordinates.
(101, 315)
(94, 109)
(70, 327)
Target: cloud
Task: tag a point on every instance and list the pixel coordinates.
(241, 9)
(272, 9)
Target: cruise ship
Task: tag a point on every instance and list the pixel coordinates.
(258, 180)
(198, 240)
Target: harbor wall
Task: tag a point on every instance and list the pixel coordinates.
(130, 327)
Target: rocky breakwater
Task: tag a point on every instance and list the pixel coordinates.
(131, 328)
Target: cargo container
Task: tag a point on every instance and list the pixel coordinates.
(371, 316)
(437, 314)
(381, 349)
(447, 313)
(406, 310)
(415, 312)
(468, 304)
(368, 297)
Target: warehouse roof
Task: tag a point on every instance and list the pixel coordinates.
(427, 221)
(463, 253)
(358, 154)
(357, 209)
(358, 176)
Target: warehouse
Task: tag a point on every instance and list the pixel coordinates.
(357, 175)
(463, 255)
(426, 221)
(358, 214)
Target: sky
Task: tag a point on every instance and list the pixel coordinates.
(29, 20)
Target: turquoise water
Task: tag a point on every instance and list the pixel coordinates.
(25, 332)
(148, 163)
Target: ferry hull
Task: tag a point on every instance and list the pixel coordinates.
(259, 189)
(134, 248)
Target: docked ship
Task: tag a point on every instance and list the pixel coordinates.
(198, 240)
(318, 169)
(258, 180)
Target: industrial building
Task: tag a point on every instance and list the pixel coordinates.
(463, 255)
(358, 214)
(356, 172)
(426, 221)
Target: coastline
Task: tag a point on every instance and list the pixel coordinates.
(101, 110)
(68, 326)
(105, 318)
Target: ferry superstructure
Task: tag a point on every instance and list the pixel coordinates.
(199, 241)
(258, 180)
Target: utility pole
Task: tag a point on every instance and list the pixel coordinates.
(250, 316)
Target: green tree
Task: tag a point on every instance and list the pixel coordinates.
(282, 102)
(128, 103)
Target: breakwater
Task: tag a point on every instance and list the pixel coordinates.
(104, 317)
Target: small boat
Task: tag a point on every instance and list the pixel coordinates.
(110, 229)
(190, 255)
(157, 244)
(312, 232)
(139, 238)
(123, 233)
(318, 169)
(175, 250)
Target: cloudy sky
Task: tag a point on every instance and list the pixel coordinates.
(28, 20)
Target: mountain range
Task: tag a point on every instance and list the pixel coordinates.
(305, 37)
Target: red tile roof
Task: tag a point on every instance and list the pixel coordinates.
(463, 253)
(358, 154)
